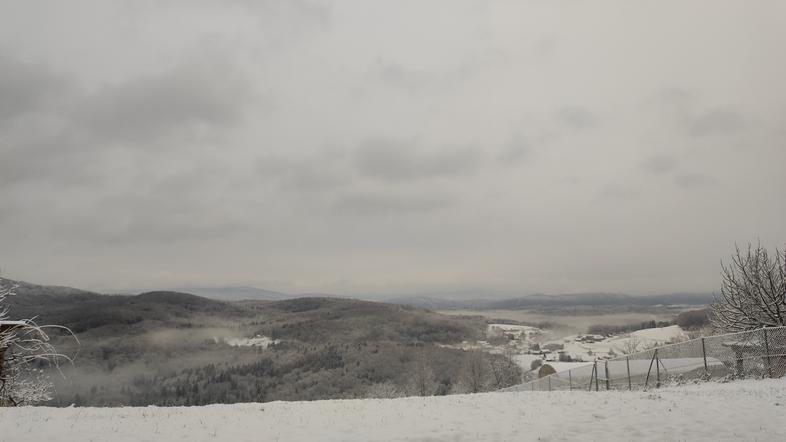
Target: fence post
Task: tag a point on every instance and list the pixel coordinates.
(596, 375)
(549, 382)
(649, 370)
(704, 355)
(767, 349)
(657, 369)
(607, 376)
(570, 380)
(627, 363)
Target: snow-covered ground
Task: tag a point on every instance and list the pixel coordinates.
(521, 338)
(744, 410)
(257, 341)
(618, 345)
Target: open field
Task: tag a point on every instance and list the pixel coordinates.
(744, 410)
(569, 322)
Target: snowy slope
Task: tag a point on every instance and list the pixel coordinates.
(615, 345)
(745, 410)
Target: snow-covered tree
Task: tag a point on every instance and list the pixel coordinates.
(24, 348)
(631, 345)
(475, 372)
(505, 372)
(422, 380)
(753, 291)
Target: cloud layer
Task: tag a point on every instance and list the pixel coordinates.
(375, 149)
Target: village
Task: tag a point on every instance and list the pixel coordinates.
(540, 353)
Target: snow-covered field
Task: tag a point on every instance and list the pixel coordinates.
(257, 341)
(617, 345)
(744, 410)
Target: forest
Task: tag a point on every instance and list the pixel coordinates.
(167, 348)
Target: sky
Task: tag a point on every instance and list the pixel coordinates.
(372, 148)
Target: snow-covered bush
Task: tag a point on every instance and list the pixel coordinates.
(24, 349)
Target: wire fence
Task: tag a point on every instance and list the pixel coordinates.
(751, 354)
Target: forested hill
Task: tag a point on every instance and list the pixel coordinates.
(82, 311)
(170, 348)
(306, 319)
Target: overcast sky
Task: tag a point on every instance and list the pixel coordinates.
(398, 147)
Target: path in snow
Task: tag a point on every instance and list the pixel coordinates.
(745, 410)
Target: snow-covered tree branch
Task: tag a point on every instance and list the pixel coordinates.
(753, 291)
(24, 348)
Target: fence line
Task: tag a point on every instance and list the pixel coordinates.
(756, 353)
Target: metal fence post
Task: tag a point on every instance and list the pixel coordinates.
(570, 380)
(767, 350)
(549, 382)
(657, 369)
(627, 363)
(649, 370)
(704, 355)
(596, 375)
(607, 376)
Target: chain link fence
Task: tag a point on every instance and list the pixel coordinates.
(751, 354)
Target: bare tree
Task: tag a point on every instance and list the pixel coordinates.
(753, 291)
(631, 345)
(422, 382)
(23, 346)
(505, 372)
(474, 375)
(383, 390)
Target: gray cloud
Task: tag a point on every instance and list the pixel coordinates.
(402, 77)
(319, 173)
(147, 108)
(27, 87)
(717, 122)
(693, 180)
(57, 157)
(368, 142)
(414, 80)
(396, 160)
(576, 118)
(388, 203)
(660, 164)
(691, 112)
(620, 191)
(515, 151)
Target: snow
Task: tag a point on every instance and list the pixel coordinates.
(660, 335)
(564, 366)
(616, 345)
(744, 410)
(522, 337)
(525, 361)
(257, 341)
(514, 329)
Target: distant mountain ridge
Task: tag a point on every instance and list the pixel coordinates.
(236, 293)
(439, 302)
(564, 300)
